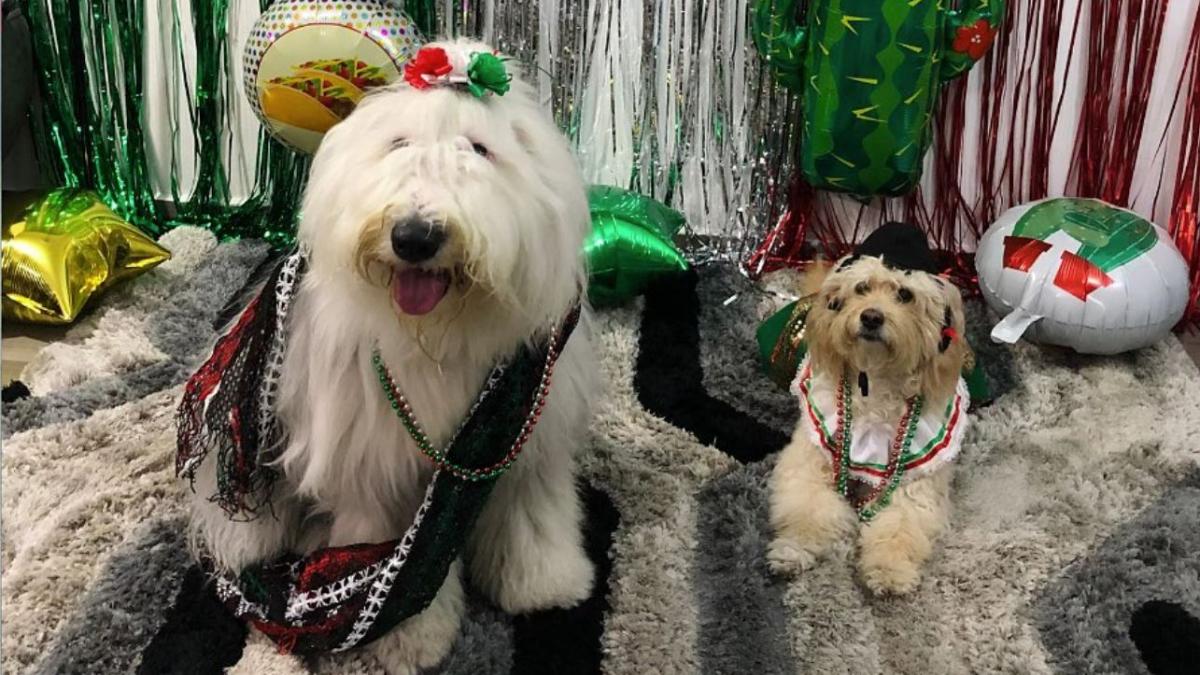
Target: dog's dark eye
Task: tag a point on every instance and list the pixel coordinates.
(862, 288)
(398, 143)
(904, 294)
(481, 149)
(835, 304)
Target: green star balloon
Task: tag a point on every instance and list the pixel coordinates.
(631, 244)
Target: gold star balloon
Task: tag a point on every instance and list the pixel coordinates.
(64, 249)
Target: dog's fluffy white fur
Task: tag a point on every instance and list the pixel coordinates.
(808, 515)
(501, 179)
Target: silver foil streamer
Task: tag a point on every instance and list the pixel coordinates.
(665, 97)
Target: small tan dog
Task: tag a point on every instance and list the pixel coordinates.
(883, 411)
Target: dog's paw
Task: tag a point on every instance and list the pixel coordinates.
(788, 556)
(894, 577)
(561, 577)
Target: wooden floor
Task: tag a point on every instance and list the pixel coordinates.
(21, 343)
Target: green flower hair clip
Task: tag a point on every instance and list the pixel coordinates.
(487, 72)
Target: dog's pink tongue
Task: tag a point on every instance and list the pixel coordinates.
(417, 291)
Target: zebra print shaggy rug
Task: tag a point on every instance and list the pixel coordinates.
(1074, 547)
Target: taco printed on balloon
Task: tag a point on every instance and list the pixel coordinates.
(306, 65)
(319, 94)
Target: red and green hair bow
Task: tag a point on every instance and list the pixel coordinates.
(431, 67)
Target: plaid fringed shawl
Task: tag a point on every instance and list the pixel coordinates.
(228, 403)
(337, 598)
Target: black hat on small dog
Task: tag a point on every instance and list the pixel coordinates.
(901, 246)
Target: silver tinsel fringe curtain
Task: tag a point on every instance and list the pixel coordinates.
(665, 97)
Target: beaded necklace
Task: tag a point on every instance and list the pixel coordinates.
(881, 495)
(404, 411)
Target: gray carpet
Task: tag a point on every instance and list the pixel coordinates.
(1076, 503)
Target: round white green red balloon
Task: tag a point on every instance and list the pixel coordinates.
(1081, 273)
(307, 63)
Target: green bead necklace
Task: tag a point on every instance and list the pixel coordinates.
(881, 495)
(439, 457)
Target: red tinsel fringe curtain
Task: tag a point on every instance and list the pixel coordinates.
(1122, 52)
(1185, 217)
(1018, 100)
(816, 222)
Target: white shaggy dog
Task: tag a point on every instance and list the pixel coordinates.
(880, 341)
(445, 230)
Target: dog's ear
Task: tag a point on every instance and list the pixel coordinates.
(951, 351)
(822, 351)
(814, 277)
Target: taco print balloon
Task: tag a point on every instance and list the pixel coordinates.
(308, 63)
(1081, 273)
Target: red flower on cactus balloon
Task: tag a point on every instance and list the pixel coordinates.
(975, 40)
(429, 64)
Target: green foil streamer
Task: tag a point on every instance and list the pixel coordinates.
(211, 195)
(89, 57)
(271, 209)
(424, 14)
(89, 60)
(51, 29)
(273, 206)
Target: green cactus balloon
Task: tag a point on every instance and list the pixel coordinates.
(868, 73)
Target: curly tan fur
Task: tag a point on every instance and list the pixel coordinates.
(905, 358)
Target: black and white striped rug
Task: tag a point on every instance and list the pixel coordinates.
(1074, 545)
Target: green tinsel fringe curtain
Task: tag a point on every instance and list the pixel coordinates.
(89, 128)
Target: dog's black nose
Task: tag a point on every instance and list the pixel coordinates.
(415, 239)
(872, 319)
